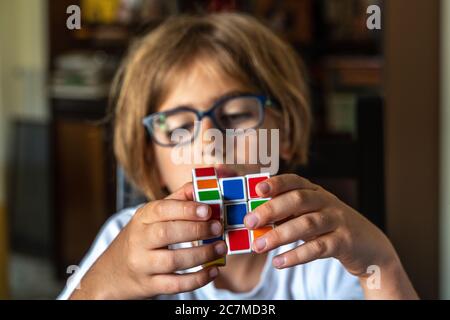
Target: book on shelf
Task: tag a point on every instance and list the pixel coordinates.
(346, 79)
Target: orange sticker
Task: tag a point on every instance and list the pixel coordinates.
(207, 184)
(261, 231)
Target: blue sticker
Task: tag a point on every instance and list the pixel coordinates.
(233, 189)
(207, 241)
(236, 213)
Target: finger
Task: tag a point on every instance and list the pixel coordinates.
(161, 234)
(169, 261)
(285, 182)
(304, 228)
(292, 203)
(169, 210)
(325, 246)
(183, 193)
(176, 283)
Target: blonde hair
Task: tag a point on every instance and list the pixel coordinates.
(242, 47)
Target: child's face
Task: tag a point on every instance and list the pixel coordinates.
(199, 88)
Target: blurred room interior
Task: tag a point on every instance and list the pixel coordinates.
(381, 138)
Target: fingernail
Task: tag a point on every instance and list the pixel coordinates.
(264, 187)
(260, 243)
(220, 248)
(251, 220)
(202, 211)
(279, 261)
(216, 228)
(213, 272)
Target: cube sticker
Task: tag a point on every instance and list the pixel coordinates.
(235, 213)
(205, 172)
(253, 204)
(216, 211)
(233, 189)
(238, 241)
(252, 181)
(260, 232)
(207, 184)
(212, 240)
(209, 195)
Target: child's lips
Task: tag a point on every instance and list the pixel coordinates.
(223, 172)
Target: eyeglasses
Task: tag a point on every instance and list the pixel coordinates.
(239, 111)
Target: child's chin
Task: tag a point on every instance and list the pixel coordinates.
(226, 172)
(229, 171)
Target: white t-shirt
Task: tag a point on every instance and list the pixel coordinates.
(322, 279)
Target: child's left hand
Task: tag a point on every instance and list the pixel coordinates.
(329, 227)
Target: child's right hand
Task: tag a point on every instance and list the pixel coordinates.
(138, 263)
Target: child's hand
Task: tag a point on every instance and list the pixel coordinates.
(138, 263)
(330, 228)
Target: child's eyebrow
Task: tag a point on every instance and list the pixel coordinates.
(229, 94)
(213, 100)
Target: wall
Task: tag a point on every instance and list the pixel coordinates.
(412, 138)
(23, 65)
(445, 150)
(3, 229)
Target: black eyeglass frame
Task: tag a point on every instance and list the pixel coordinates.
(264, 102)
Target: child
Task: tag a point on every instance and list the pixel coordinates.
(320, 248)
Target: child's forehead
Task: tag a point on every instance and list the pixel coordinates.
(199, 85)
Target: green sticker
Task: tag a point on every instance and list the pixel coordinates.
(256, 203)
(209, 195)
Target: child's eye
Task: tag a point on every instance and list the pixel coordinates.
(187, 126)
(236, 118)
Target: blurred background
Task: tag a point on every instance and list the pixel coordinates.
(381, 141)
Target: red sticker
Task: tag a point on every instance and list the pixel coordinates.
(238, 239)
(252, 182)
(205, 172)
(215, 211)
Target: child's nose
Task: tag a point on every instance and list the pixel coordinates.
(206, 124)
(207, 139)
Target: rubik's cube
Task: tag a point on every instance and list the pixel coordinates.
(230, 200)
